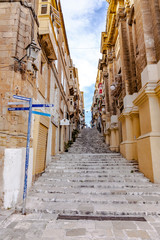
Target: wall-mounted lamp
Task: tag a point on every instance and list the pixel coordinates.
(32, 50)
(113, 87)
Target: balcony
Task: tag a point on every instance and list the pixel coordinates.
(48, 20)
(104, 39)
(101, 64)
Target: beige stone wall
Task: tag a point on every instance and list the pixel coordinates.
(15, 35)
(135, 37)
(154, 5)
(49, 85)
(131, 49)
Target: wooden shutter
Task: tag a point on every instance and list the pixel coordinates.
(53, 139)
(41, 149)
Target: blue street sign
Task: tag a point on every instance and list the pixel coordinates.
(21, 98)
(18, 109)
(18, 103)
(42, 105)
(42, 114)
(26, 103)
(29, 108)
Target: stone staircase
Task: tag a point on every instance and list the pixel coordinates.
(89, 141)
(93, 184)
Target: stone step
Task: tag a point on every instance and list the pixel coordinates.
(66, 174)
(52, 173)
(89, 163)
(95, 176)
(91, 180)
(89, 151)
(87, 198)
(69, 184)
(88, 160)
(107, 171)
(92, 171)
(99, 165)
(102, 184)
(95, 165)
(93, 209)
(152, 191)
(91, 156)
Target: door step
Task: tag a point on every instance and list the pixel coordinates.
(100, 218)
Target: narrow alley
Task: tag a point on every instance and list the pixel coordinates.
(87, 193)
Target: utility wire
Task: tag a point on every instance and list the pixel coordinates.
(85, 48)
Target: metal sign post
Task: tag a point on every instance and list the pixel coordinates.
(29, 100)
(27, 157)
(28, 108)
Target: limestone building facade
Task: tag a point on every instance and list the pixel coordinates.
(81, 110)
(98, 106)
(45, 79)
(130, 71)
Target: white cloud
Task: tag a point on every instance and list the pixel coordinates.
(85, 20)
(82, 7)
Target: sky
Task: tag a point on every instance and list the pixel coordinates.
(84, 22)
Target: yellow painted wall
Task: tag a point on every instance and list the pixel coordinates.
(149, 141)
(144, 158)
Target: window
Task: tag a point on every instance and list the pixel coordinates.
(63, 48)
(70, 74)
(42, 67)
(56, 61)
(65, 85)
(66, 57)
(56, 33)
(56, 64)
(71, 102)
(44, 9)
(62, 107)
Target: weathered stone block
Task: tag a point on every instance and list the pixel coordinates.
(138, 234)
(76, 232)
(9, 34)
